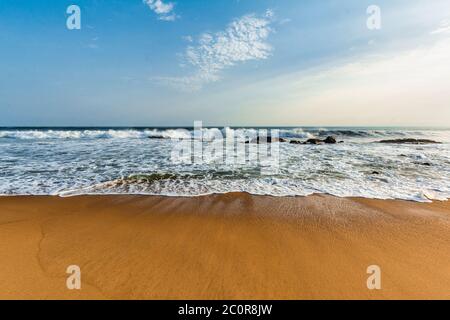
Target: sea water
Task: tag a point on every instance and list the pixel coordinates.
(77, 161)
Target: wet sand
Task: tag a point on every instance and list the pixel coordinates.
(234, 246)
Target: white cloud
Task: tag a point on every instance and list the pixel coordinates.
(444, 27)
(165, 11)
(243, 40)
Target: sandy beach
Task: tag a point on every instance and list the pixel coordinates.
(233, 246)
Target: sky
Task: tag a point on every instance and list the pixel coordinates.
(225, 62)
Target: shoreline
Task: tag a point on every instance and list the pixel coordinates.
(105, 195)
(226, 246)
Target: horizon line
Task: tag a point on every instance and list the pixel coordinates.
(221, 126)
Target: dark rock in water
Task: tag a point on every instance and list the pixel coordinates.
(314, 141)
(330, 140)
(410, 141)
(375, 172)
(260, 140)
(426, 164)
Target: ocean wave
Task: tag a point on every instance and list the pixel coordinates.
(94, 134)
(297, 133)
(207, 133)
(138, 161)
(70, 134)
(194, 185)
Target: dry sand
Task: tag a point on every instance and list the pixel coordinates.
(234, 246)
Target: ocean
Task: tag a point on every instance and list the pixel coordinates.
(82, 161)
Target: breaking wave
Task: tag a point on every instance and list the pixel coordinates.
(186, 133)
(66, 162)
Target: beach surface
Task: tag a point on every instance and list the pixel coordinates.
(232, 246)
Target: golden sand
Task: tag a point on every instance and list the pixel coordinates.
(234, 246)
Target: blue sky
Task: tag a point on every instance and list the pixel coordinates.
(226, 62)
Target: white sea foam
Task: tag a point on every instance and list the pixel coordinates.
(70, 134)
(127, 161)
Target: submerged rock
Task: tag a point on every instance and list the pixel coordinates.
(314, 141)
(410, 141)
(268, 140)
(330, 140)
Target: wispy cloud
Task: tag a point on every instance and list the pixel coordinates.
(165, 11)
(244, 39)
(444, 27)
